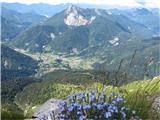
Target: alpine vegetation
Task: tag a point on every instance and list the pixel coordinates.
(93, 105)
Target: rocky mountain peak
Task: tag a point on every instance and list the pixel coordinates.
(71, 8)
(74, 17)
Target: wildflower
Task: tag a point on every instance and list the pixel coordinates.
(80, 96)
(82, 117)
(86, 106)
(63, 116)
(95, 104)
(64, 102)
(79, 113)
(110, 108)
(99, 106)
(79, 107)
(123, 115)
(70, 97)
(92, 98)
(101, 96)
(61, 107)
(105, 104)
(76, 104)
(115, 109)
(70, 107)
(113, 102)
(119, 99)
(108, 114)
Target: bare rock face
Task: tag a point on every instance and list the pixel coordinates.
(156, 104)
(6, 64)
(75, 19)
(48, 111)
(52, 35)
(115, 41)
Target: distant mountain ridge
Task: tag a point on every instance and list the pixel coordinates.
(148, 17)
(80, 28)
(49, 10)
(14, 22)
(43, 9)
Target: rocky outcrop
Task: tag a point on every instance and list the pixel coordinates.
(47, 110)
(75, 19)
(156, 104)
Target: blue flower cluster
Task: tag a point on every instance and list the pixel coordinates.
(93, 105)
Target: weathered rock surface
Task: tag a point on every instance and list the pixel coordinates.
(75, 19)
(156, 104)
(44, 111)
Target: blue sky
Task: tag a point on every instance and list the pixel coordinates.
(129, 3)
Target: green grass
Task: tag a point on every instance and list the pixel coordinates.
(141, 95)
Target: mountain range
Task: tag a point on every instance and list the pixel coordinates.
(143, 16)
(80, 29)
(14, 22)
(94, 35)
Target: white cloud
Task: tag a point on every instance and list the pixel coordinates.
(130, 3)
(152, 3)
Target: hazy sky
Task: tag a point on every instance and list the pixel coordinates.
(147, 3)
